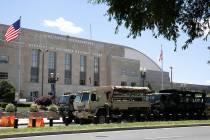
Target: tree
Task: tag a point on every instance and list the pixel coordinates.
(165, 18)
(7, 91)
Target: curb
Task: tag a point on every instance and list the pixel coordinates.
(96, 130)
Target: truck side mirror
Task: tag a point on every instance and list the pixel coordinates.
(93, 97)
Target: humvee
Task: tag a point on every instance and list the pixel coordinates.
(103, 104)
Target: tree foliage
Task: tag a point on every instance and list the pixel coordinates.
(7, 91)
(165, 18)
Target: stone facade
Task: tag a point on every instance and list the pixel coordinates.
(117, 64)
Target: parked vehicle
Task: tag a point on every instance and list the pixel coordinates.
(103, 104)
(178, 104)
(65, 107)
(207, 108)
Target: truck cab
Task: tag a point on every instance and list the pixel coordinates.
(65, 103)
(87, 104)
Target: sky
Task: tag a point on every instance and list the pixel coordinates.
(74, 18)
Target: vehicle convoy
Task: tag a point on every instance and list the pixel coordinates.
(65, 107)
(103, 104)
(178, 104)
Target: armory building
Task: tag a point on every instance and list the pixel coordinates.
(29, 61)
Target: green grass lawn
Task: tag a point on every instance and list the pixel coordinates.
(62, 127)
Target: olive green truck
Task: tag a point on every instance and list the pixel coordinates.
(111, 103)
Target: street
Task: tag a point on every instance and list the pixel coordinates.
(179, 133)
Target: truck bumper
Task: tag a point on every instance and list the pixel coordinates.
(83, 115)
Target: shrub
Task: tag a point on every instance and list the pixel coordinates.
(7, 91)
(23, 104)
(34, 108)
(53, 107)
(3, 104)
(43, 101)
(10, 108)
(42, 107)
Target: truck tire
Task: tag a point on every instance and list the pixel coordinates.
(101, 119)
(77, 121)
(67, 120)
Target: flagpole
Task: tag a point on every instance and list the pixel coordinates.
(90, 32)
(162, 68)
(19, 64)
(12, 32)
(162, 77)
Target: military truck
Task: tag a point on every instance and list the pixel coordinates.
(207, 109)
(65, 107)
(177, 104)
(111, 103)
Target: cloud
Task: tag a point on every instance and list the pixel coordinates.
(63, 25)
(208, 82)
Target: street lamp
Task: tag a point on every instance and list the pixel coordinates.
(43, 52)
(53, 78)
(171, 76)
(143, 75)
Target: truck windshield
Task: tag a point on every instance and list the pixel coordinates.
(78, 97)
(63, 100)
(85, 96)
(82, 97)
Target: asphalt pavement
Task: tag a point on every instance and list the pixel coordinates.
(177, 133)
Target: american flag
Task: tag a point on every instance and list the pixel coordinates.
(161, 54)
(13, 31)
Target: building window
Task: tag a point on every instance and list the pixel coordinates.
(51, 63)
(3, 75)
(4, 59)
(96, 71)
(123, 83)
(35, 66)
(34, 95)
(68, 69)
(133, 84)
(82, 70)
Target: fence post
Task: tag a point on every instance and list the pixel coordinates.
(66, 121)
(33, 122)
(16, 123)
(51, 122)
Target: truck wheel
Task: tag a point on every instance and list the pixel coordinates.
(67, 120)
(82, 121)
(101, 119)
(77, 121)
